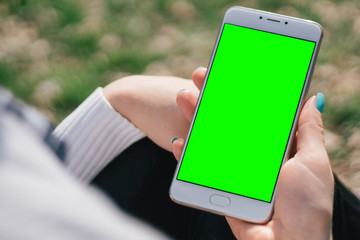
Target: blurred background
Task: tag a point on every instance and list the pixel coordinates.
(54, 53)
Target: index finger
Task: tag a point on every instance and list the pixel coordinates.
(198, 76)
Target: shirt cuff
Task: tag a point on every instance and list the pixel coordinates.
(95, 134)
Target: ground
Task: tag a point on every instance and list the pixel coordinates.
(54, 53)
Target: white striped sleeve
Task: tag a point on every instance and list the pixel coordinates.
(94, 134)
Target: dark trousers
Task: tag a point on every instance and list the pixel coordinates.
(138, 181)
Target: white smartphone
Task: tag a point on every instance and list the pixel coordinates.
(246, 115)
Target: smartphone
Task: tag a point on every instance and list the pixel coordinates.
(246, 115)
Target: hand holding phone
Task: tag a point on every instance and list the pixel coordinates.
(304, 199)
(225, 167)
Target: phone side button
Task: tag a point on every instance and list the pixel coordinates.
(219, 200)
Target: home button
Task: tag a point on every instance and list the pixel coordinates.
(219, 200)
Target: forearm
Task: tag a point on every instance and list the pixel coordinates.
(109, 121)
(94, 134)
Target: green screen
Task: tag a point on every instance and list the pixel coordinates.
(244, 120)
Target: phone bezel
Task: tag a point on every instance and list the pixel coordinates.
(245, 208)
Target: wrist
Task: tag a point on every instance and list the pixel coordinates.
(111, 95)
(118, 94)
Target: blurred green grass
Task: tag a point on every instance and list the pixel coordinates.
(54, 53)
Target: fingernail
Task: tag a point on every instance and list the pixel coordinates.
(181, 90)
(320, 102)
(198, 68)
(173, 139)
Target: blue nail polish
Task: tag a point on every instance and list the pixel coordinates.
(173, 139)
(320, 102)
(181, 90)
(198, 68)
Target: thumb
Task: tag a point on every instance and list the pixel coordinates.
(310, 127)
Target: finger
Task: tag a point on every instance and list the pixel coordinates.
(245, 230)
(198, 76)
(186, 101)
(177, 146)
(310, 127)
(237, 226)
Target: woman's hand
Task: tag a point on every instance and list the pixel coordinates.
(149, 102)
(304, 199)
